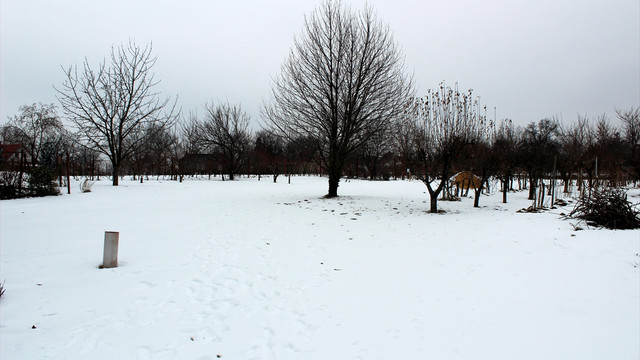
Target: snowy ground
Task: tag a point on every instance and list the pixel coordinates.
(256, 270)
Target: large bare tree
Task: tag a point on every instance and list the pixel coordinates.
(343, 81)
(113, 104)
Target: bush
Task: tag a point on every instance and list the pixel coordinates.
(608, 208)
(41, 182)
(10, 185)
(85, 186)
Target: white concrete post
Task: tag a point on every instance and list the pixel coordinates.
(110, 257)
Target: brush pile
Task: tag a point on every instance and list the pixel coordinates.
(608, 208)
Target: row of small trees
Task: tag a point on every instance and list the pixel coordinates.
(587, 152)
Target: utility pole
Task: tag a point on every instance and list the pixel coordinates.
(68, 177)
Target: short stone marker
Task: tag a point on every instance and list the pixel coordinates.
(110, 256)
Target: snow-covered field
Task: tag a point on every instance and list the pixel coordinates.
(257, 270)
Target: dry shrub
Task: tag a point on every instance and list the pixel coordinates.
(85, 186)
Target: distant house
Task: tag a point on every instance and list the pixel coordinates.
(10, 155)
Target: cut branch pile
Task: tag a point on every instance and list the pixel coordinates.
(608, 208)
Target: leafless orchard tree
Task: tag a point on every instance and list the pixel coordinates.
(577, 141)
(505, 148)
(631, 129)
(443, 123)
(483, 159)
(343, 81)
(113, 104)
(404, 140)
(374, 150)
(189, 135)
(269, 153)
(539, 144)
(157, 157)
(225, 131)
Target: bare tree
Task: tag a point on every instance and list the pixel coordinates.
(443, 123)
(225, 131)
(113, 104)
(575, 139)
(631, 129)
(538, 147)
(156, 157)
(35, 127)
(404, 141)
(483, 159)
(189, 135)
(342, 82)
(269, 152)
(374, 151)
(505, 149)
(300, 156)
(190, 152)
(608, 151)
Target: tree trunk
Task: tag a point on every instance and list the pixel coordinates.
(22, 165)
(116, 174)
(59, 168)
(434, 203)
(357, 168)
(476, 199)
(68, 175)
(333, 186)
(478, 190)
(541, 197)
(433, 196)
(505, 189)
(532, 188)
(335, 172)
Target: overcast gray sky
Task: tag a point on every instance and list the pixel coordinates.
(529, 59)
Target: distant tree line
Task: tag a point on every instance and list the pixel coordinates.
(586, 152)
